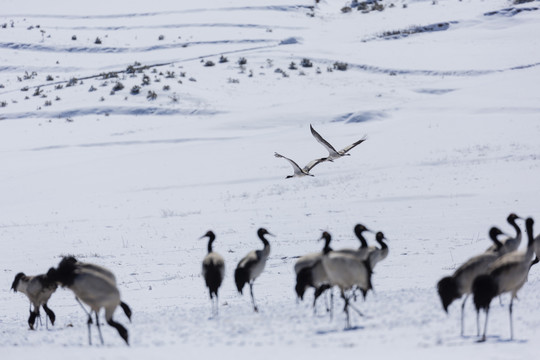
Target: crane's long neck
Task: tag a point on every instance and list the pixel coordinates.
(266, 249)
(530, 244)
(361, 237)
(493, 233)
(512, 221)
(327, 248)
(210, 241)
(327, 239)
(382, 243)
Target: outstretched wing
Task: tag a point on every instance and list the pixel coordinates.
(347, 148)
(324, 143)
(296, 168)
(312, 164)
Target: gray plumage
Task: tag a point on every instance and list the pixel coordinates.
(102, 271)
(38, 289)
(310, 272)
(347, 271)
(510, 243)
(332, 152)
(298, 171)
(94, 289)
(507, 274)
(252, 265)
(460, 283)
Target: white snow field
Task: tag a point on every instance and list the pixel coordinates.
(131, 181)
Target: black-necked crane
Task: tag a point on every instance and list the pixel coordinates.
(511, 243)
(332, 152)
(103, 271)
(298, 171)
(252, 265)
(507, 274)
(93, 289)
(213, 271)
(460, 283)
(347, 271)
(38, 289)
(310, 273)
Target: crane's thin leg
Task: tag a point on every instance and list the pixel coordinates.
(38, 316)
(463, 314)
(511, 323)
(86, 311)
(346, 309)
(332, 305)
(355, 309)
(89, 323)
(478, 323)
(99, 328)
(252, 297)
(485, 327)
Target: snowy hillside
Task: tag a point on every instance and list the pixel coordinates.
(130, 128)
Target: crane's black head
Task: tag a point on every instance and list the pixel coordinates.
(448, 291)
(261, 232)
(326, 236)
(209, 234)
(65, 272)
(15, 283)
(380, 237)
(211, 237)
(304, 279)
(327, 239)
(359, 228)
(512, 218)
(484, 290)
(494, 232)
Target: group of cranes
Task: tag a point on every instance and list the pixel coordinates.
(332, 155)
(348, 269)
(92, 284)
(500, 269)
(248, 269)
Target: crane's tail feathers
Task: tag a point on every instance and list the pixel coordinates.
(127, 309)
(484, 290)
(303, 280)
(241, 277)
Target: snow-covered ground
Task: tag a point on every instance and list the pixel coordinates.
(452, 119)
